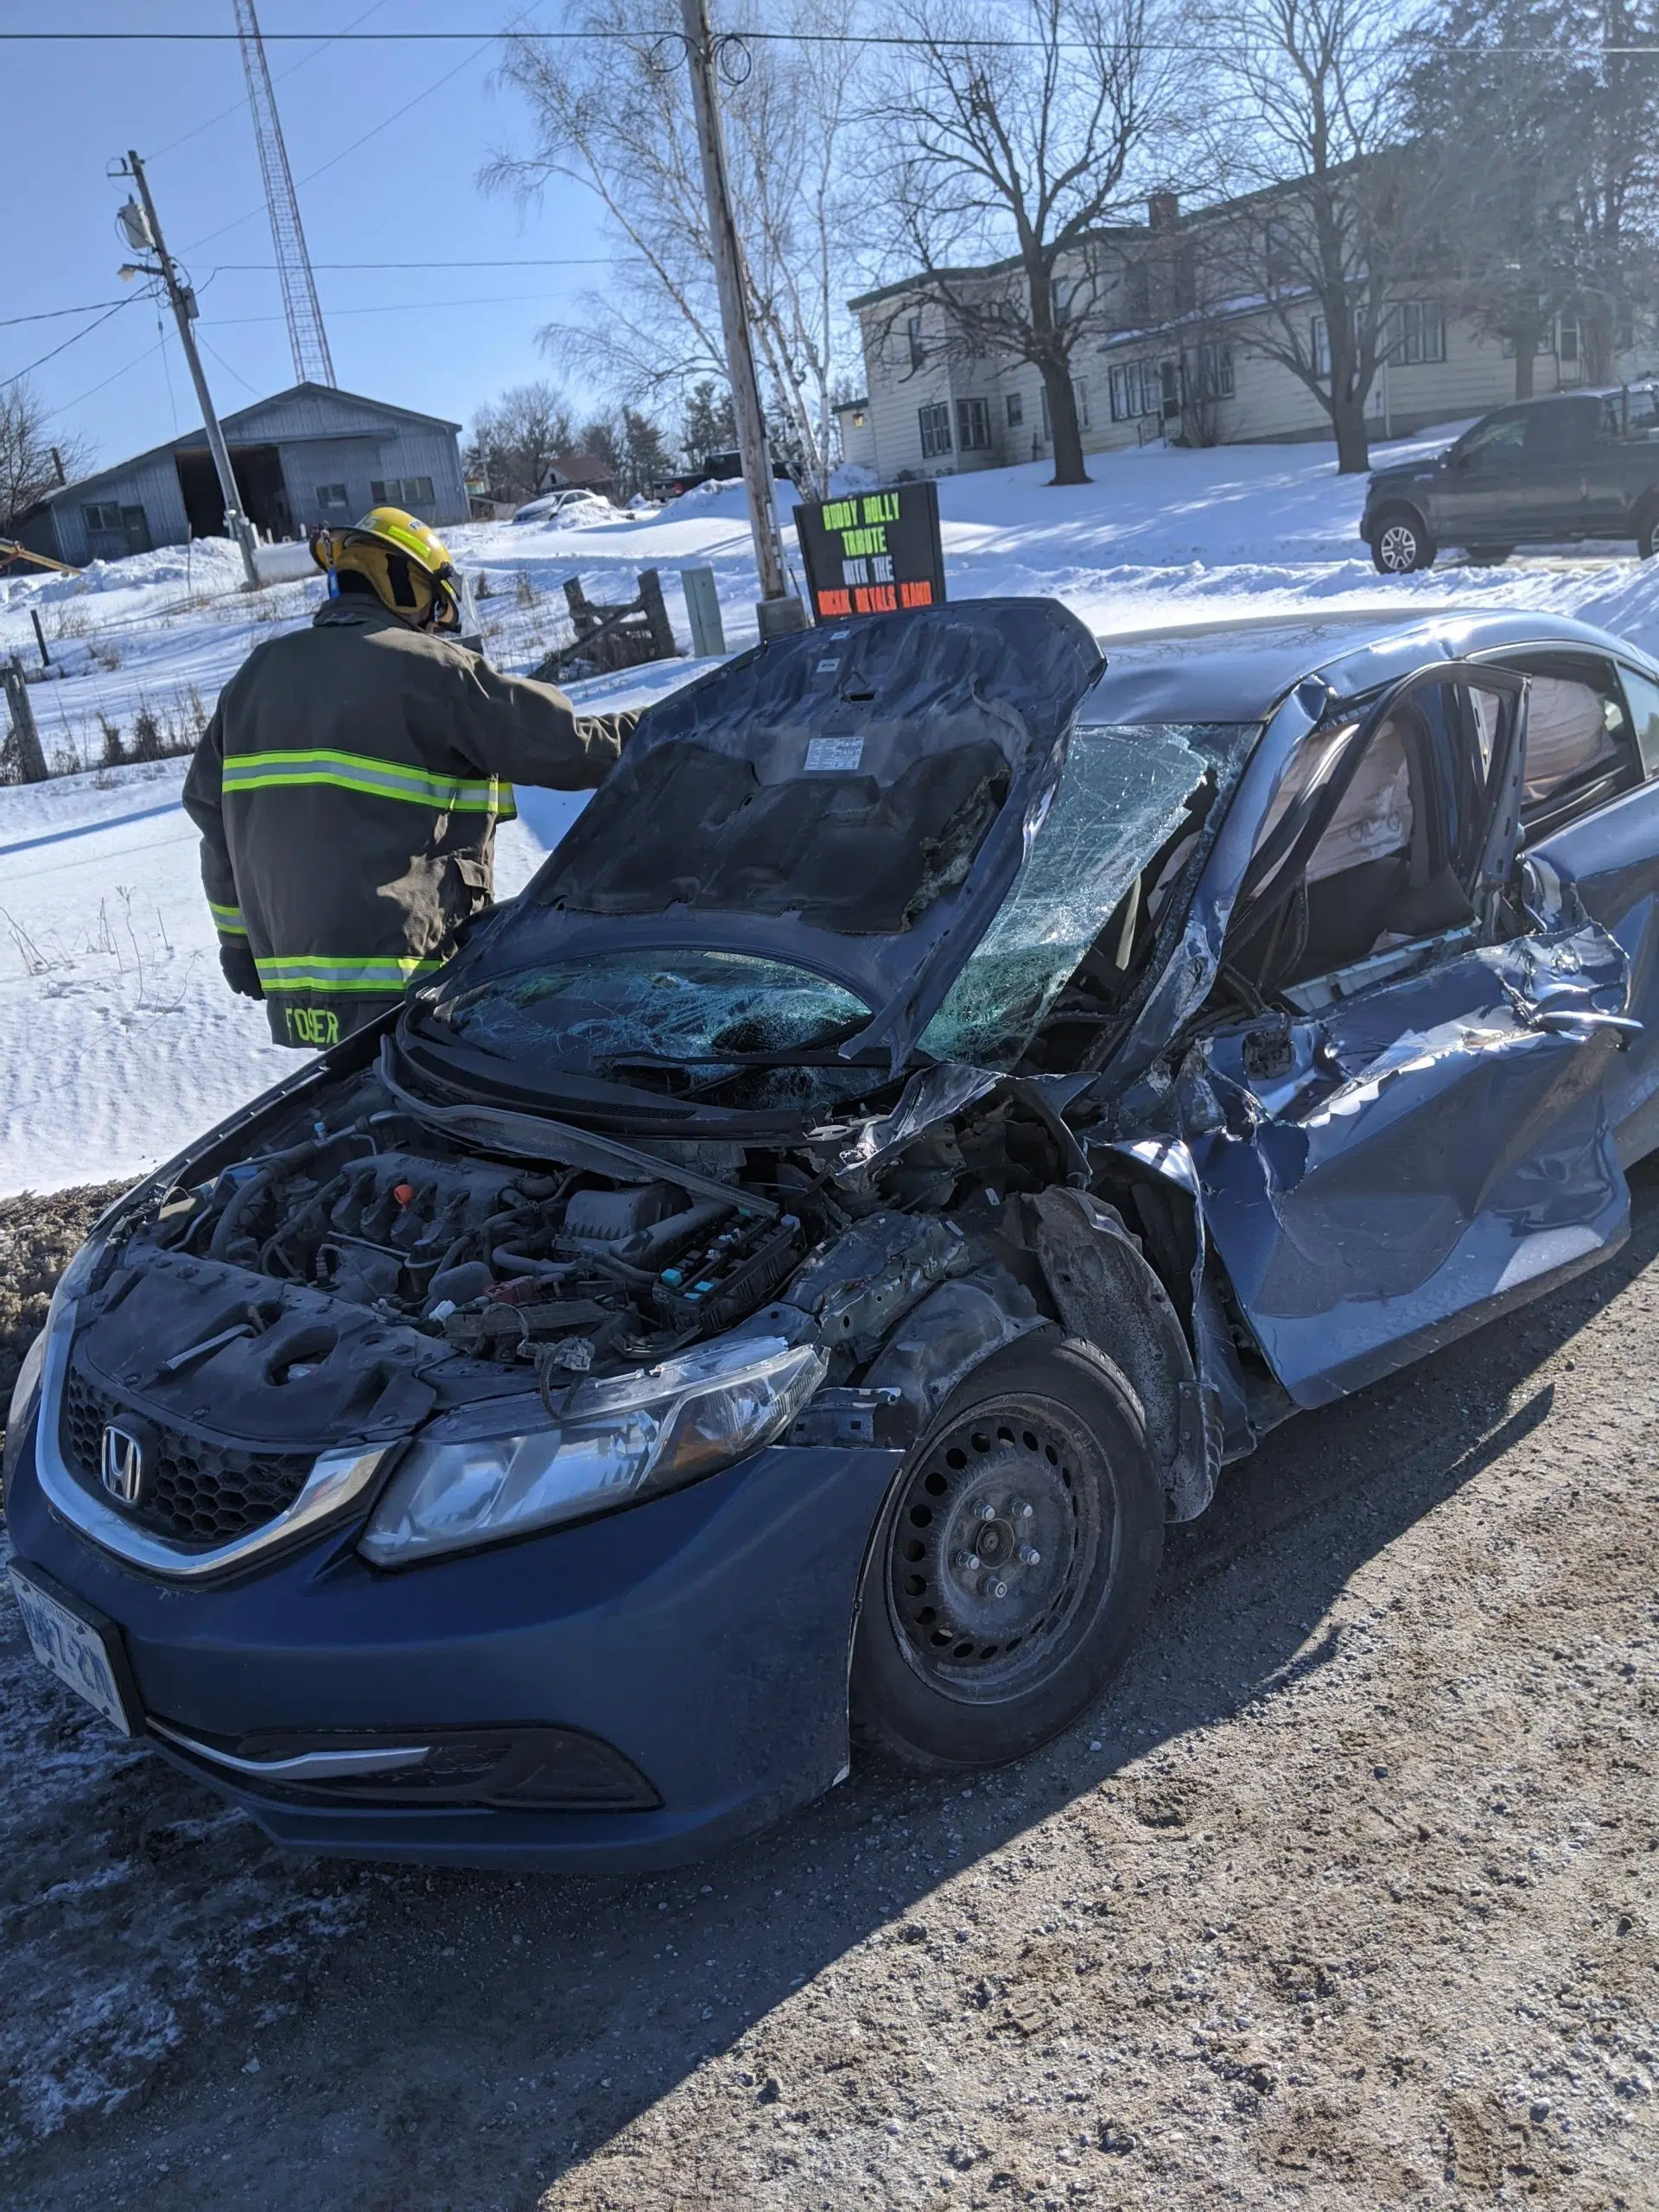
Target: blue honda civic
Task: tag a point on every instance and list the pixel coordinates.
(948, 1095)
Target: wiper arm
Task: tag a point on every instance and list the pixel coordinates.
(532, 1136)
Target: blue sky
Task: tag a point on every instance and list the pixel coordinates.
(409, 194)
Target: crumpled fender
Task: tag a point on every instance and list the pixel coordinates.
(949, 1334)
(1107, 1294)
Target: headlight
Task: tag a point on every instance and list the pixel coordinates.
(60, 1321)
(475, 1478)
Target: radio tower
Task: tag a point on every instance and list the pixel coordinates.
(312, 364)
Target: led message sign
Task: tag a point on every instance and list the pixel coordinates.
(873, 552)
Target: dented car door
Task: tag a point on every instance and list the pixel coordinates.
(1408, 1129)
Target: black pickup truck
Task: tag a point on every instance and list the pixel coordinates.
(1583, 464)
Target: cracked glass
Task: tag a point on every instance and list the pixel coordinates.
(705, 1014)
(1122, 794)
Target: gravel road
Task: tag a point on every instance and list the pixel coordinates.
(1347, 1897)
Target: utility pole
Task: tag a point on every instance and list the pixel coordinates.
(780, 609)
(142, 226)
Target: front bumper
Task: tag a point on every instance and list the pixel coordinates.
(704, 1635)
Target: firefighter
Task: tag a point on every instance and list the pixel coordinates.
(348, 786)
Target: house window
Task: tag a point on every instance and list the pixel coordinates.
(1134, 389)
(1186, 281)
(1016, 406)
(410, 493)
(913, 334)
(332, 501)
(1421, 326)
(1207, 372)
(1273, 257)
(102, 515)
(936, 429)
(1139, 288)
(1318, 346)
(1567, 338)
(1080, 393)
(973, 425)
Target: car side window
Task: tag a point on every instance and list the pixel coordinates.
(1581, 748)
(1365, 852)
(1631, 417)
(1557, 428)
(1495, 443)
(1642, 694)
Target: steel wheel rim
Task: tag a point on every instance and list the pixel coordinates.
(971, 1616)
(1398, 548)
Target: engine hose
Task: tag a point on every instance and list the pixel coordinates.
(250, 1194)
(520, 1263)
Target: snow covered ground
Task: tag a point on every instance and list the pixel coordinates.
(117, 1039)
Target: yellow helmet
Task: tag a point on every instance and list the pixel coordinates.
(404, 560)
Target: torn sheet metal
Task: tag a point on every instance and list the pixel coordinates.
(1422, 1156)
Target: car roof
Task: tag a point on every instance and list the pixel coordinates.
(1237, 671)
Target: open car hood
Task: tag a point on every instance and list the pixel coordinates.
(854, 800)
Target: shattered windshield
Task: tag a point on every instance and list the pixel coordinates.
(687, 1021)
(1123, 793)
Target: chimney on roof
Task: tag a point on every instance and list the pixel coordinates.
(1164, 210)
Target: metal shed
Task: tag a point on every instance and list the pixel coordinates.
(308, 456)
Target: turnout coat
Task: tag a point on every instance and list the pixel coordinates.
(347, 790)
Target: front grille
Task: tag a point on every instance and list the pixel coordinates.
(195, 1493)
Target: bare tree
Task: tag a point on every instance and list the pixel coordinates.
(515, 436)
(614, 112)
(1306, 120)
(29, 463)
(1491, 110)
(1614, 96)
(1016, 131)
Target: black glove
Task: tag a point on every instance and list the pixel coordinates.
(241, 973)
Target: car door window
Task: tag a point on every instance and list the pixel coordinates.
(1641, 693)
(1495, 443)
(1581, 748)
(1557, 428)
(1373, 841)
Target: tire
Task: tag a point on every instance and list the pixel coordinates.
(1647, 532)
(1488, 557)
(946, 1673)
(1401, 543)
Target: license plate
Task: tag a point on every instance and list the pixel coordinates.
(77, 1652)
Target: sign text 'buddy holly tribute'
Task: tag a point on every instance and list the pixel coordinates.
(873, 552)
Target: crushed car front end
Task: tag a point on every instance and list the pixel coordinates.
(473, 1452)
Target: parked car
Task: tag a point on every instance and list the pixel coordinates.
(572, 504)
(944, 1099)
(1584, 464)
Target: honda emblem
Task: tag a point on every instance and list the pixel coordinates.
(122, 1465)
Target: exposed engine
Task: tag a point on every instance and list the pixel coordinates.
(564, 1269)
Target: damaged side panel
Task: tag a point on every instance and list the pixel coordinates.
(1416, 1159)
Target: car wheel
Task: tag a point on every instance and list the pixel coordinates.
(1488, 557)
(1400, 543)
(1647, 532)
(1014, 1565)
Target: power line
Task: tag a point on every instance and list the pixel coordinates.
(396, 115)
(236, 106)
(398, 306)
(62, 407)
(951, 42)
(52, 315)
(75, 340)
(551, 261)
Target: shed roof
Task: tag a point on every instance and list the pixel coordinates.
(241, 427)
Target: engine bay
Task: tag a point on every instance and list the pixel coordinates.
(552, 1271)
